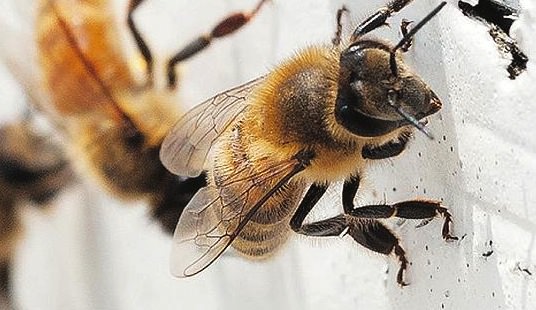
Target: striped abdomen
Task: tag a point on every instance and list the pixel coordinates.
(268, 229)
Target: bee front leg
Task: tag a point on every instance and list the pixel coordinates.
(404, 25)
(387, 150)
(338, 32)
(379, 18)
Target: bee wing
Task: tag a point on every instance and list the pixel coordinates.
(186, 146)
(217, 214)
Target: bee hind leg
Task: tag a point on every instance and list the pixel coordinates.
(375, 236)
(371, 234)
(225, 27)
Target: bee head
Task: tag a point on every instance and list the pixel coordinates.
(374, 98)
(377, 92)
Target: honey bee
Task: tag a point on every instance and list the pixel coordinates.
(32, 169)
(115, 123)
(274, 145)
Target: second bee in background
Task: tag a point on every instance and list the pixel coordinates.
(114, 123)
(32, 171)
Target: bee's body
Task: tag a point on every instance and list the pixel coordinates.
(116, 126)
(288, 112)
(318, 118)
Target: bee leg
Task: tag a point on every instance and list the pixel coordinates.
(334, 226)
(337, 38)
(311, 198)
(404, 29)
(387, 150)
(411, 209)
(369, 233)
(175, 194)
(374, 236)
(379, 18)
(227, 26)
(140, 42)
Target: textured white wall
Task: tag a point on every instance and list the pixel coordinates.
(93, 253)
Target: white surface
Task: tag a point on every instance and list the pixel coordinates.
(93, 253)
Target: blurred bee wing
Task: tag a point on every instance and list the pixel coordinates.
(217, 214)
(186, 146)
(18, 51)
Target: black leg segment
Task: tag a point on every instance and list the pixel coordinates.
(140, 42)
(404, 25)
(313, 195)
(411, 209)
(387, 150)
(5, 285)
(349, 190)
(361, 224)
(375, 236)
(379, 18)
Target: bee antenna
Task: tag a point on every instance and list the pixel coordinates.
(410, 118)
(410, 34)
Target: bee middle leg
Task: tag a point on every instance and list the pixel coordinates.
(361, 224)
(410, 209)
(369, 233)
(140, 42)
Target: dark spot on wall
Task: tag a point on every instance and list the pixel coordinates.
(499, 18)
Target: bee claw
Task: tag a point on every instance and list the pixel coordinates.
(424, 223)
